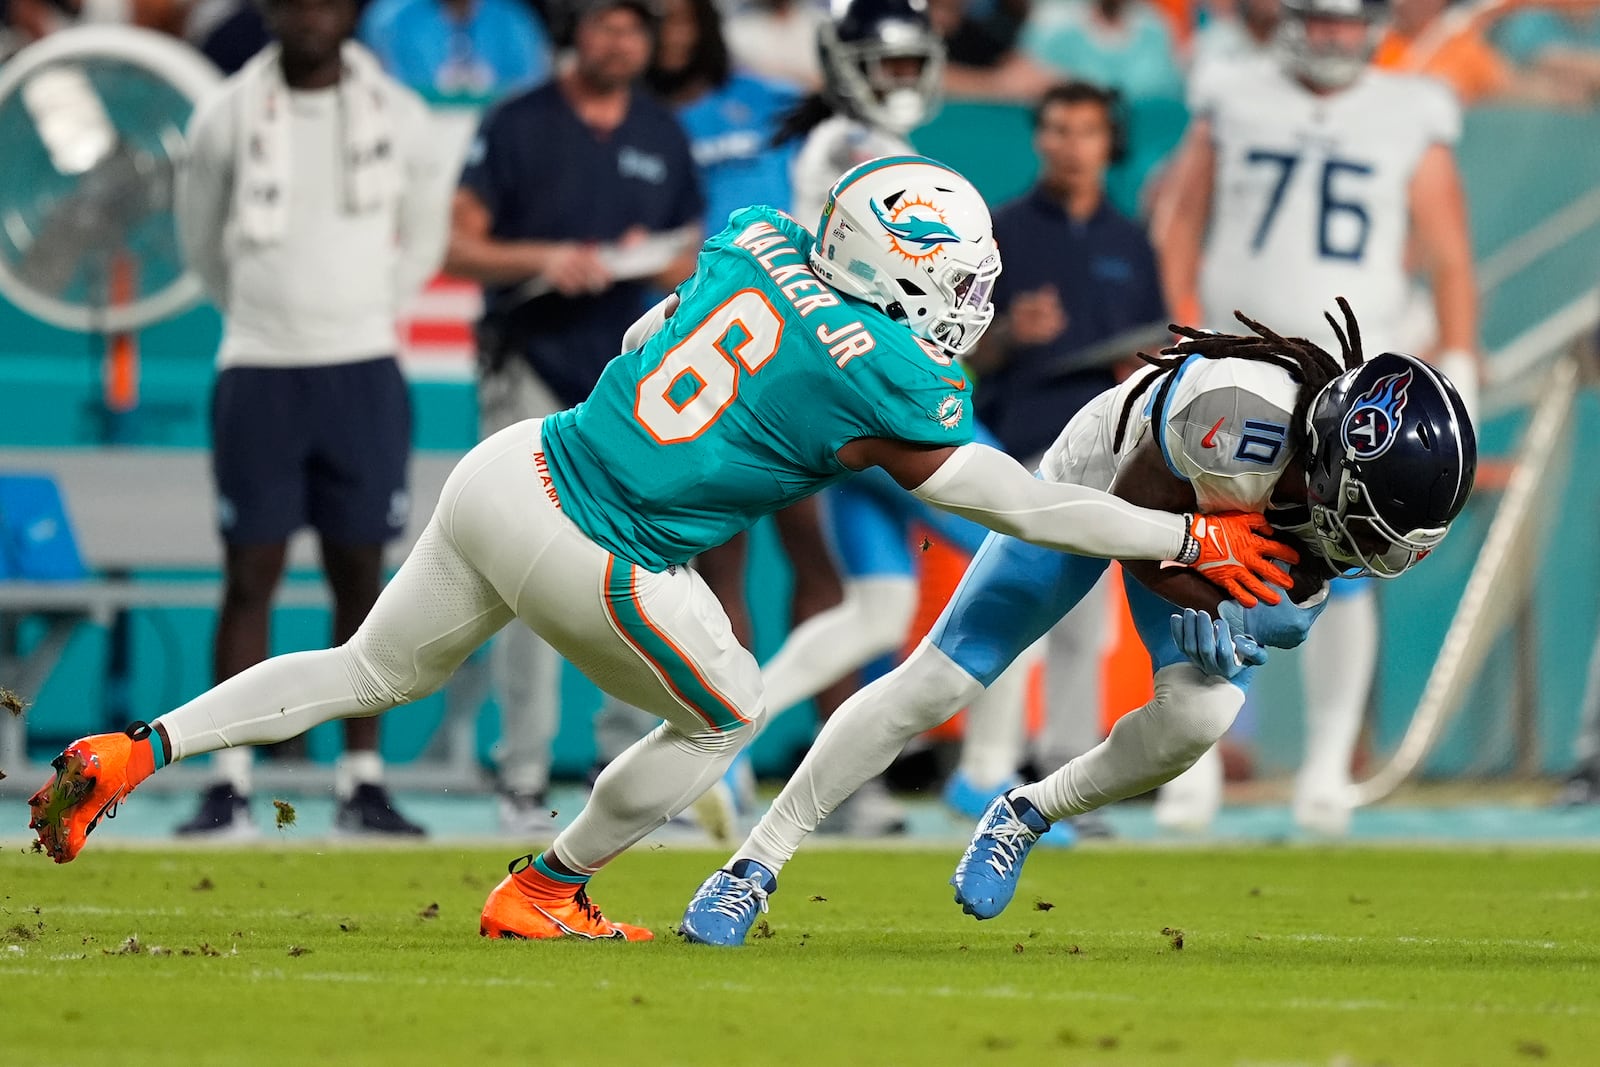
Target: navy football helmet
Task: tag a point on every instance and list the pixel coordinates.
(857, 46)
(1391, 459)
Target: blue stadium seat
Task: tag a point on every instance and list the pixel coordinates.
(36, 539)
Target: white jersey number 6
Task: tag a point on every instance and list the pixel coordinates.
(699, 377)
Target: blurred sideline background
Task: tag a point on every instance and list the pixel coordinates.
(1533, 183)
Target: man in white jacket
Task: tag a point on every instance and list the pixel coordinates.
(313, 207)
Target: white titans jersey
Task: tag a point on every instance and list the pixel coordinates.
(1311, 196)
(836, 145)
(1222, 425)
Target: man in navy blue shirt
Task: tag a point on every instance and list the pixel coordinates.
(577, 198)
(1078, 276)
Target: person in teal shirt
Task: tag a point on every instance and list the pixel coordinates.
(1123, 45)
(779, 367)
(468, 51)
(1562, 45)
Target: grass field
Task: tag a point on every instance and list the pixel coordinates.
(1288, 956)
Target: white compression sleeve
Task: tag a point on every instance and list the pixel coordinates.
(857, 744)
(996, 732)
(1146, 747)
(989, 487)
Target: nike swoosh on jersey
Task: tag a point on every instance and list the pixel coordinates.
(1210, 439)
(954, 383)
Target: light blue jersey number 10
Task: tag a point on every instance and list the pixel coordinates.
(1332, 203)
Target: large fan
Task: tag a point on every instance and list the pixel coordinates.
(91, 129)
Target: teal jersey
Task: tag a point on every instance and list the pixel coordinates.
(738, 406)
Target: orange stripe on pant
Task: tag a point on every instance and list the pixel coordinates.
(672, 664)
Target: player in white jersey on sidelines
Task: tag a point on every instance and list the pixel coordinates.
(1310, 172)
(883, 67)
(1367, 461)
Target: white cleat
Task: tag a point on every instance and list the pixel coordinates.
(717, 814)
(527, 817)
(871, 811)
(1189, 803)
(1324, 809)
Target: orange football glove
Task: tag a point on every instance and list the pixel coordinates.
(1235, 552)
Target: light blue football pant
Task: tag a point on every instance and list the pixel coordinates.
(1015, 592)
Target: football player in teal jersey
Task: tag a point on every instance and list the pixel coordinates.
(781, 366)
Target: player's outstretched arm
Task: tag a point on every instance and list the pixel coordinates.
(987, 486)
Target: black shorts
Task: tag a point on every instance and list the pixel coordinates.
(325, 447)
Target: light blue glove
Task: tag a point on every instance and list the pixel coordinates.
(1281, 625)
(1213, 647)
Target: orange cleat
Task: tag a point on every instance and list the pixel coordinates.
(527, 905)
(91, 780)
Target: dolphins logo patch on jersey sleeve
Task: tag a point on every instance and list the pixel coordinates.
(916, 228)
(1374, 421)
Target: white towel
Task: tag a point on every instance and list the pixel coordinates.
(371, 164)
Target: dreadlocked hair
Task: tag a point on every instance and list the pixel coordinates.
(1304, 361)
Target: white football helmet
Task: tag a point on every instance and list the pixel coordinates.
(914, 239)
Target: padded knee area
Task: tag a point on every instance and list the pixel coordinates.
(386, 673)
(923, 692)
(429, 618)
(382, 675)
(664, 771)
(1189, 714)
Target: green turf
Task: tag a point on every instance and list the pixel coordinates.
(1289, 956)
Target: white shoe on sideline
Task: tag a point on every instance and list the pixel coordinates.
(527, 816)
(1189, 803)
(717, 813)
(871, 811)
(1323, 808)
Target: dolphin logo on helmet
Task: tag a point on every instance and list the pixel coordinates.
(927, 234)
